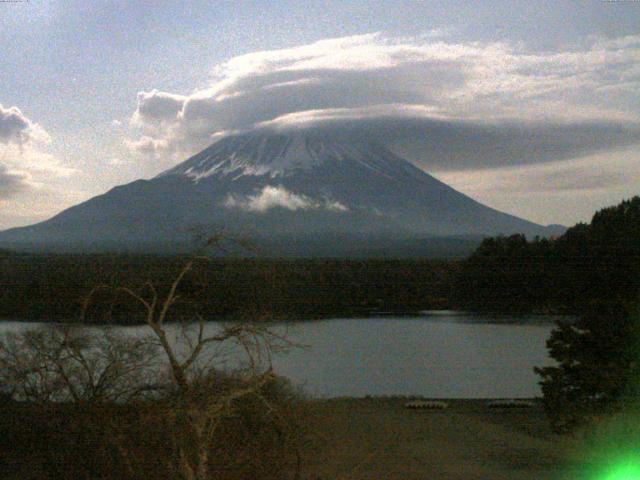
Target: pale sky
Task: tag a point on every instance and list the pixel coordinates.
(529, 107)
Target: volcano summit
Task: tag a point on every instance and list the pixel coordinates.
(300, 193)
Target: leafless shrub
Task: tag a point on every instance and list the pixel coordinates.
(65, 363)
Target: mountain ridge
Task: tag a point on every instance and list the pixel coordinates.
(297, 185)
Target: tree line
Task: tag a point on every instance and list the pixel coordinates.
(53, 287)
(588, 263)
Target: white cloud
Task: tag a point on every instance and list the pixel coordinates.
(370, 77)
(272, 197)
(26, 169)
(117, 162)
(268, 198)
(309, 118)
(157, 107)
(149, 145)
(336, 206)
(17, 129)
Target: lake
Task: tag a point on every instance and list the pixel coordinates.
(435, 355)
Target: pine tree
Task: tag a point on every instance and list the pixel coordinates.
(598, 365)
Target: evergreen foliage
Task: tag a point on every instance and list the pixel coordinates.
(53, 287)
(598, 365)
(590, 262)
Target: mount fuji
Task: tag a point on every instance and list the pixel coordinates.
(302, 193)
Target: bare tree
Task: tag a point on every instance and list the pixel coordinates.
(70, 363)
(202, 395)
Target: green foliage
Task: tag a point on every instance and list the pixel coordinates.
(598, 365)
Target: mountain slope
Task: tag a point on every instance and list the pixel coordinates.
(304, 187)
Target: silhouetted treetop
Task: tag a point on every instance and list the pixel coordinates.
(589, 262)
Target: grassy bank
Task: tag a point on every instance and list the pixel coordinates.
(349, 438)
(377, 438)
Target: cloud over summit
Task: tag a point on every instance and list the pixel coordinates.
(442, 100)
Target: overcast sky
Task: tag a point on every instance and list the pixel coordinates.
(529, 107)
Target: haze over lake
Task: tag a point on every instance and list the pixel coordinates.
(437, 355)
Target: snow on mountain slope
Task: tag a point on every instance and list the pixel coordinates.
(276, 156)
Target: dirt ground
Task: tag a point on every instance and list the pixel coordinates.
(379, 439)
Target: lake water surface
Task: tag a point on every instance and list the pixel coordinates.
(435, 355)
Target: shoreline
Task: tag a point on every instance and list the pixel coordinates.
(502, 317)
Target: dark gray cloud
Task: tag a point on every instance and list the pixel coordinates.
(446, 145)
(579, 180)
(544, 179)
